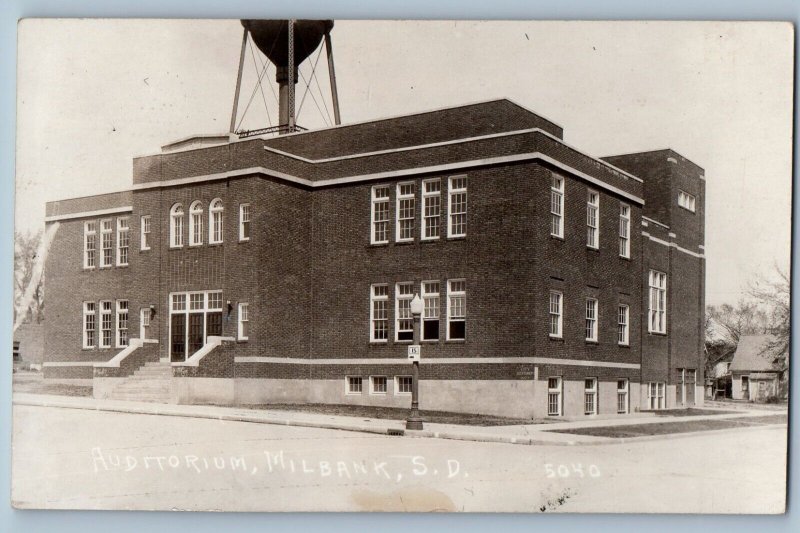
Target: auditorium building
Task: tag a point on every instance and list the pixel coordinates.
(281, 269)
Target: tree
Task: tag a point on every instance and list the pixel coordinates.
(774, 294)
(746, 318)
(26, 247)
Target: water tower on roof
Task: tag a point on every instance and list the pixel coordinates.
(286, 43)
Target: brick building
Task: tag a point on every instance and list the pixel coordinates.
(281, 269)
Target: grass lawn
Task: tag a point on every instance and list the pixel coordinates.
(691, 411)
(394, 413)
(33, 383)
(685, 426)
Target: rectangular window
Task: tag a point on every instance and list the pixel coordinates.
(655, 395)
(122, 323)
(557, 206)
(590, 396)
(431, 208)
(144, 323)
(355, 384)
(90, 244)
(405, 212)
(554, 396)
(89, 324)
(107, 243)
(622, 396)
(145, 230)
(457, 207)
(380, 214)
(404, 321)
(624, 230)
(430, 316)
(592, 219)
(123, 241)
(244, 321)
(456, 309)
(591, 319)
(657, 307)
(623, 317)
(403, 384)
(377, 385)
(244, 222)
(686, 200)
(379, 313)
(106, 324)
(556, 319)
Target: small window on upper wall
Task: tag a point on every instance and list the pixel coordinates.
(244, 222)
(686, 200)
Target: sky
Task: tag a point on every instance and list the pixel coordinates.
(93, 94)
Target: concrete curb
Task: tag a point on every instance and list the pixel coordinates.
(537, 440)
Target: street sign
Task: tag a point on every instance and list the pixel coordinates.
(414, 352)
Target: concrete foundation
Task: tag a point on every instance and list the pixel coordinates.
(102, 387)
(218, 391)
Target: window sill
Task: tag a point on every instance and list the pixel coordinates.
(592, 249)
(195, 245)
(242, 341)
(244, 240)
(628, 258)
(429, 240)
(396, 341)
(657, 333)
(591, 343)
(126, 265)
(109, 267)
(456, 341)
(216, 243)
(378, 343)
(624, 345)
(556, 339)
(379, 244)
(404, 243)
(429, 341)
(456, 237)
(175, 248)
(557, 238)
(144, 250)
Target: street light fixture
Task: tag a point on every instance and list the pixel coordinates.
(414, 421)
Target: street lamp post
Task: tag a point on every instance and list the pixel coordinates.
(414, 421)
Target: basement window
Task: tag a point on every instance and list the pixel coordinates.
(378, 385)
(355, 384)
(403, 384)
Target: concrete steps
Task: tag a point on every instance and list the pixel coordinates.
(151, 383)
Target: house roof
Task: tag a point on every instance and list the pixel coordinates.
(751, 353)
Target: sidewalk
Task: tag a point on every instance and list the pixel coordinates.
(531, 434)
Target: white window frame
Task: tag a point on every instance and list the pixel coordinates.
(90, 230)
(431, 199)
(452, 191)
(196, 223)
(432, 301)
(176, 219)
(123, 241)
(373, 298)
(593, 219)
(590, 392)
(558, 393)
(592, 319)
(556, 313)
(382, 201)
(402, 310)
(144, 322)
(372, 389)
(657, 302)
(216, 219)
(123, 310)
(557, 206)
(349, 385)
(624, 231)
(87, 313)
(244, 218)
(623, 398)
(144, 232)
(397, 390)
(106, 312)
(242, 320)
(106, 230)
(450, 317)
(655, 395)
(623, 324)
(407, 199)
(687, 201)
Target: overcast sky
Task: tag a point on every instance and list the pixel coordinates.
(95, 93)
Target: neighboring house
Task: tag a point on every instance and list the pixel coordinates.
(28, 346)
(753, 374)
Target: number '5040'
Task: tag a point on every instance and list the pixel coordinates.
(575, 470)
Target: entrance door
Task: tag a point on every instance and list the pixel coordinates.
(178, 329)
(195, 332)
(691, 384)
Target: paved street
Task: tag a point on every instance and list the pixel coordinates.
(72, 458)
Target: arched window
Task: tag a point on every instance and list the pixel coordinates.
(215, 221)
(176, 226)
(196, 224)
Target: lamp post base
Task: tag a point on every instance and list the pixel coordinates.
(414, 422)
